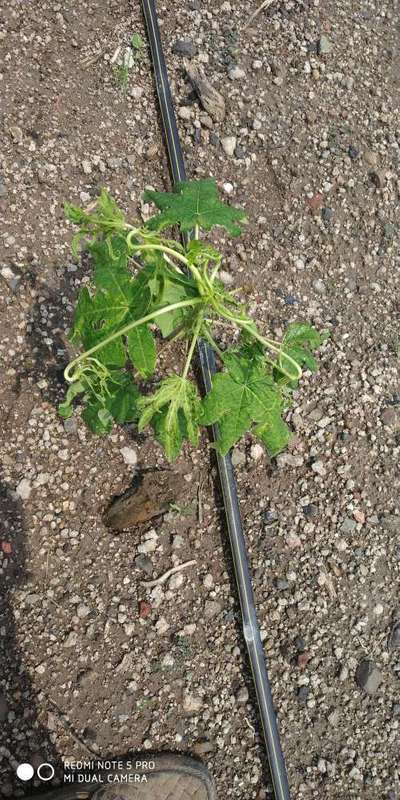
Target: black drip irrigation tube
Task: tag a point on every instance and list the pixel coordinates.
(251, 630)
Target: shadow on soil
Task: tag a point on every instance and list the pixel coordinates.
(18, 700)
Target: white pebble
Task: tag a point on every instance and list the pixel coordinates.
(256, 452)
(228, 144)
(236, 74)
(24, 489)
(161, 626)
(319, 468)
(129, 455)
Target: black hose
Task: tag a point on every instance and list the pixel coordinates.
(251, 629)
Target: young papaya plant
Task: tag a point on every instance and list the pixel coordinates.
(144, 280)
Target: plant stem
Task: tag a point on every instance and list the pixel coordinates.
(163, 248)
(278, 350)
(266, 342)
(122, 331)
(193, 343)
(212, 342)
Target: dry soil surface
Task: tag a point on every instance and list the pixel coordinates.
(93, 661)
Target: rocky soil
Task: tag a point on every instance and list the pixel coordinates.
(93, 661)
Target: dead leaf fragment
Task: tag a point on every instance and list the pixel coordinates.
(211, 100)
(150, 495)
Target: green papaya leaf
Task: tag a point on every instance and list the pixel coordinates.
(142, 350)
(194, 203)
(174, 410)
(238, 398)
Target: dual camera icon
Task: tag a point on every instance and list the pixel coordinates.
(45, 772)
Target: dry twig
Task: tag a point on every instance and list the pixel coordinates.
(167, 574)
(261, 8)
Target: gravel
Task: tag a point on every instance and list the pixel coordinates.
(368, 676)
(299, 131)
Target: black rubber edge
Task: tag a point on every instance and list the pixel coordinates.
(251, 628)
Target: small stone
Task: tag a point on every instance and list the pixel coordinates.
(136, 92)
(269, 518)
(318, 467)
(353, 152)
(228, 144)
(3, 189)
(324, 46)
(129, 455)
(257, 452)
(282, 584)
(42, 479)
(394, 641)
(212, 608)
(310, 510)
(348, 526)
(70, 426)
(129, 628)
(257, 64)
(240, 152)
(226, 278)
(87, 167)
(238, 458)
(208, 581)
(327, 214)
(319, 286)
(16, 134)
(177, 542)
(71, 640)
(303, 659)
(161, 626)
(228, 188)
(370, 158)
(82, 611)
(236, 74)
(24, 489)
(396, 710)
(356, 775)
(144, 609)
(192, 703)
(10, 278)
(189, 630)
(144, 563)
(206, 121)
(150, 543)
(184, 47)
(184, 112)
(300, 644)
(368, 676)
(292, 540)
(176, 581)
(302, 693)
(242, 696)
